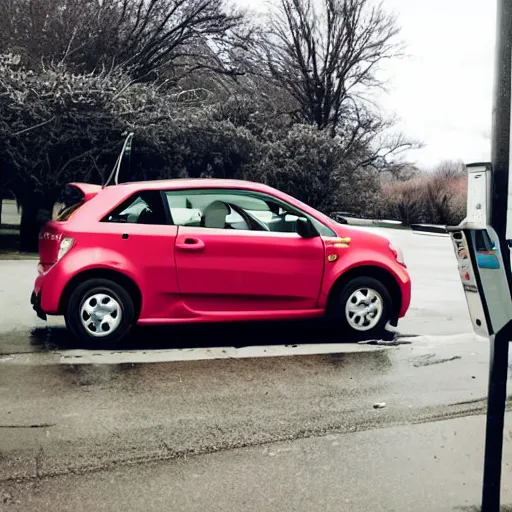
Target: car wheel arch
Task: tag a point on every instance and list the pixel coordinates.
(381, 274)
(103, 273)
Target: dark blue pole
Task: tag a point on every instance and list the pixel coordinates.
(500, 154)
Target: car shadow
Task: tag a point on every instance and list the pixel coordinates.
(239, 334)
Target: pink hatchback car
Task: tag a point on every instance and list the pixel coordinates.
(210, 250)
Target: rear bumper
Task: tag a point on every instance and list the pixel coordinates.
(35, 300)
(46, 293)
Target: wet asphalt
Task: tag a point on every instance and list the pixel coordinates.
(65, 410)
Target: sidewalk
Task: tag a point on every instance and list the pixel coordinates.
(432, 467)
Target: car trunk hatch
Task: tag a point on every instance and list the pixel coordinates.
(49, 243)
(73, 196)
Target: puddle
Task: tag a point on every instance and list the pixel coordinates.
(237, 335)
(373, 362)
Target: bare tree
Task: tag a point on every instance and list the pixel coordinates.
(369, 140)
(327, 57)
(143, 37)
(449, 170)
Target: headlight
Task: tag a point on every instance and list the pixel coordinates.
(399, 255)
(65, 245)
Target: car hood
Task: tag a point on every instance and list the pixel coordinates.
(362, 233)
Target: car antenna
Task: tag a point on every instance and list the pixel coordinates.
(127, 148)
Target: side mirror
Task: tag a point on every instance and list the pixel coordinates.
(305, 228)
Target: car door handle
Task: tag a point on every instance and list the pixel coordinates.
(191, 244)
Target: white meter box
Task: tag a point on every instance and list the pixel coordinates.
(479, 195)
(480, 257)
(469, 283)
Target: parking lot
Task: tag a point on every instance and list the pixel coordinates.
(182, 396)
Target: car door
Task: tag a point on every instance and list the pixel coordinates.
(136, 237)
(224, 263)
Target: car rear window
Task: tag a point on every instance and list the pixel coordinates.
(145, 207)
(66, 213)
(70, 200)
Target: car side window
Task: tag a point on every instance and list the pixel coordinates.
(144, 207)
(231, 210)
(322, 228)
(213, 209)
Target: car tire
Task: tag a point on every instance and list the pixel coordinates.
(100, 313)
(362, 308)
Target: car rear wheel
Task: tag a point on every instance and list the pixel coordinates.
(363, 307)
(100, 312)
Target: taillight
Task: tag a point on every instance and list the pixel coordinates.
(65, 245)
(399, 255)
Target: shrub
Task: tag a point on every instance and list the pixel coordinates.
(432, 199)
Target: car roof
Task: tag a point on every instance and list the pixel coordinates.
(132, 187)
(119, 192)
(176, 184)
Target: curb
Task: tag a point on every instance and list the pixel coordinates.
(16, 256)
(429, 228)
(390, 224)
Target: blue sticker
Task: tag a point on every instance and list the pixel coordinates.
(487, 260)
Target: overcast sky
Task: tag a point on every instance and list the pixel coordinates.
(443, 91)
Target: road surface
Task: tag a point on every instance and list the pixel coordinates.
(252, 417)
(10, 213)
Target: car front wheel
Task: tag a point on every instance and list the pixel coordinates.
(100, 312)
(363, 308)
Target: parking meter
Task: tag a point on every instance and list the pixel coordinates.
(480, 258)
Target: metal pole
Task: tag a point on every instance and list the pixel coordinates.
(495, 421)
(500, 153)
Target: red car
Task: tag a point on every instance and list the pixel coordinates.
(207, 250)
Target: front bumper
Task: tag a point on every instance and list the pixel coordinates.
(35, 300)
